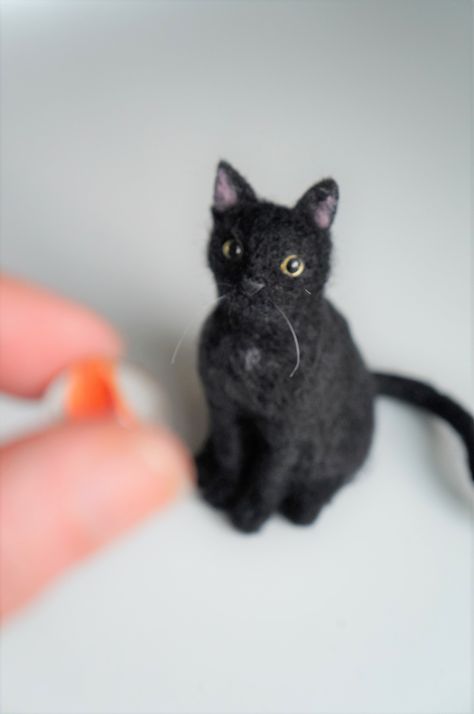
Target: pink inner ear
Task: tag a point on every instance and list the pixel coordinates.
(225, 194)
(324, 212)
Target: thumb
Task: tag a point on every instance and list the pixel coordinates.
(69, 490)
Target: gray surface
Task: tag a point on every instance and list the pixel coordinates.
(113, 117)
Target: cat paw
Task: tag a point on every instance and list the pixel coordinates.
(248, 518)
(304, 505)
(301, 514)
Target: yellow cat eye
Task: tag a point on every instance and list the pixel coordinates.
(292, 266)
(232, 249)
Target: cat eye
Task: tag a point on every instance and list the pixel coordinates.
(233, 249)
(292, 266)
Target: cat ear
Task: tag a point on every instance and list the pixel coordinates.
(230, 188)
(320, 203)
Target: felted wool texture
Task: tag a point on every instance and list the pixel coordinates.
(291, 402)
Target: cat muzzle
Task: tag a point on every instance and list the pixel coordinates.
(252, 287)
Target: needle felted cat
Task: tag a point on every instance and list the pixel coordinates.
(291, 401)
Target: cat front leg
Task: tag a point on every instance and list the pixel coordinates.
(265, 486)
(220, 460)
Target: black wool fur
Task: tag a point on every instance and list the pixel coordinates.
(291, 401)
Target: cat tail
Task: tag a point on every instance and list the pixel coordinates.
(427, 397)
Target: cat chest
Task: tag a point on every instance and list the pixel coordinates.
(247, 372)
(251, 358)
(242, 359)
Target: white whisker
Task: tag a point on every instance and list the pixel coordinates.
(188, 327)
(308, 291)
(180, 342)
(295, 338)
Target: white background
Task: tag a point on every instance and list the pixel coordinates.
(114, 115)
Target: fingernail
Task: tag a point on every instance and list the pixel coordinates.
(164, 455)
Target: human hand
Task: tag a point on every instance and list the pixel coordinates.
(68, 490)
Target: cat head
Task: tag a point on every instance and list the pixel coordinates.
(260, 251)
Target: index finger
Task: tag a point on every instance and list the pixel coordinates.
(41, 334)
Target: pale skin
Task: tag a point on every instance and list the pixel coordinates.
(68, 490)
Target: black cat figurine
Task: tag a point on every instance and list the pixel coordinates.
(291, 401)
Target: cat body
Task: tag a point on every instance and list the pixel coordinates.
(291, 402)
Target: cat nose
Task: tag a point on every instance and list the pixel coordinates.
(252, 287)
